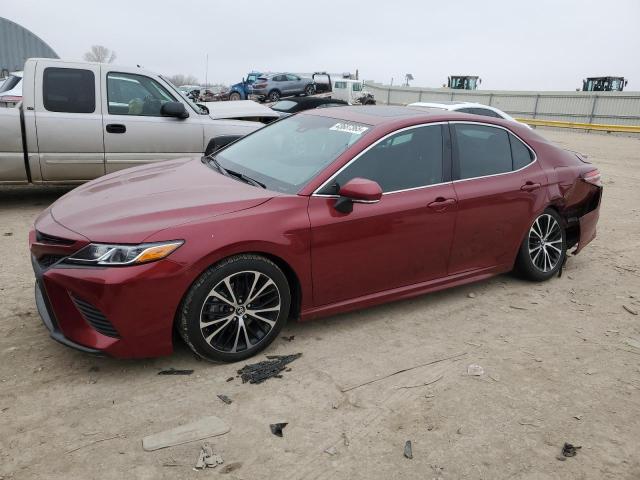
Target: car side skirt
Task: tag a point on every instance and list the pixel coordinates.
(401, 293)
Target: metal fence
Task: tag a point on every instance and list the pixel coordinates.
(612, 108)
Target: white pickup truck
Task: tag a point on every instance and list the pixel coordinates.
(78, 121)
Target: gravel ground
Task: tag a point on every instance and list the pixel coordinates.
(561, 364)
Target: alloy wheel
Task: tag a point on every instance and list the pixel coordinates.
(240, 311)
(545, 243)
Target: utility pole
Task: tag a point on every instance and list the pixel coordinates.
(206, 73)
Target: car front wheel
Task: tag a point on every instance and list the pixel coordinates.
(309, 90)
(234, 96)
(544, 248)
(274, 96)
(235, 309)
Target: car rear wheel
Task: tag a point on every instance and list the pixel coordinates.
(234, 96)
(544, 249)
(309, 90)
(235, 309)
(274, 96)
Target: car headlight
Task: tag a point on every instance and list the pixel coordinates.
(118, 255)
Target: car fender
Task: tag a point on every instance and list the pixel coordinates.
(277, 228)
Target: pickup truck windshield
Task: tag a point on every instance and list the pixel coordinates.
(285, 155)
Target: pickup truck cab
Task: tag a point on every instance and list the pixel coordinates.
(78, 121)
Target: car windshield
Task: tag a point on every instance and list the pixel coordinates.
(285, 155)
(284, 105)
(10, 83)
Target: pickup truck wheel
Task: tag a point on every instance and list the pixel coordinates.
(274, 96)
(309, 90)
(234, 96)
(235, 309)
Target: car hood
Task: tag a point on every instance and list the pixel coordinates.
(238, 109)
(130, 205)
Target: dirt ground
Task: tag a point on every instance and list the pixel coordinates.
(561, 364)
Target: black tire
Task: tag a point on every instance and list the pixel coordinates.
(309, 90)
(538, 257)
(274, 96)
(240, 273)
(234, 96)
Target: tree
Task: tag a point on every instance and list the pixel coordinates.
(179, 80)
(100, 54)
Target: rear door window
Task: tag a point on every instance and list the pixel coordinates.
(481, 150)
(69, 90)
(522, 155)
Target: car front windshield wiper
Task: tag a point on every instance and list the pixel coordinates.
(221, 169)
(246, 178)
(230, 173)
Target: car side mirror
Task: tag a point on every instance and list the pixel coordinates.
(357, 190)
(174, 109)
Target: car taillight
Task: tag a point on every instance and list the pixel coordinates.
(593, 177)
(10, 98)
(259, 85)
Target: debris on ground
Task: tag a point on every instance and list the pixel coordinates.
(632, 311)
(331, 451)
(173, 371)
(230, 379)
(276, 428)
(432, 362)
(261, 371)
(8, 234)
(408, 451)
(345, 439)
(94, 442)
(475, 370)
(200, 429)
(225, 399)
(517, 307)
(569, 450)
(423, 384)
(289, 338)
(632, 342)
(471, 295)
(208, 459)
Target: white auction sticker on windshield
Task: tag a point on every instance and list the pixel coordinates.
(349, 128)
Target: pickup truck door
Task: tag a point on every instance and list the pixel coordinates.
(135, 132)
(68, 121)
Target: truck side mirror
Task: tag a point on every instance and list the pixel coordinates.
(174, 109)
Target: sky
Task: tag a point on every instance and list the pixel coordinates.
(510, 44)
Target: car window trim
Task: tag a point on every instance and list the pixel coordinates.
(446, 161)
(455, 171)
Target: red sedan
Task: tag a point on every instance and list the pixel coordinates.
(323, 212)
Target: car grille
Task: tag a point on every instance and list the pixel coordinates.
(44, 238)
(47, 260)
(95, 318)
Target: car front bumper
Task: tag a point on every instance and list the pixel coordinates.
(124, 312)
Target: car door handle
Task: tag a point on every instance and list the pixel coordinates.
(530, 186)
(116, 128)
(441, 202)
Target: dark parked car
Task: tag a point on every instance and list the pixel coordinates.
(290, 106)
(323, 212)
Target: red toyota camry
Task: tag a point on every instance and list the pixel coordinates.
(322, 212)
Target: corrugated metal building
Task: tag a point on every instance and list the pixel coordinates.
(17, 44)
